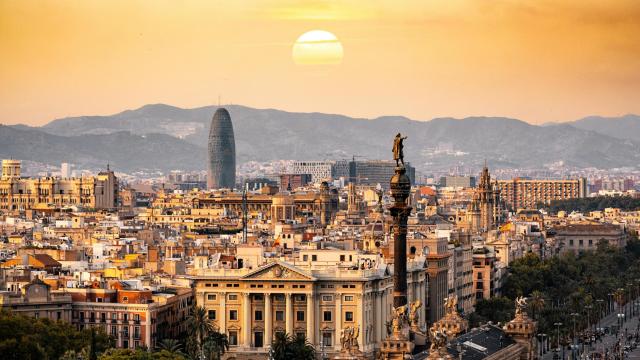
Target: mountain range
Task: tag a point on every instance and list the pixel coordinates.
(162, 137)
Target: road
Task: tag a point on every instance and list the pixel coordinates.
(608, 341)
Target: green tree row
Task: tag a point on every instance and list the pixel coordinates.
(26, 338)
(583, 285)
(598, 203)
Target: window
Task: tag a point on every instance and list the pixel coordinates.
(326, 339)
(590, 242)
(299, 315)
(314, 257)
(233, 297)
(233, 314)
(348, 316)
(125, 344)
(114, 331)
(212, 314)
(348, 298)
(279, 315)
(326, 315)
(305, 257)
(125, 317)
(211, 297)
(125, 299)
(136, 317)
(59, 315)
(114, 316)
(258, 339)
(341, 257)
(233, 338)
(581, 242)
(258, 315)
(327, 298)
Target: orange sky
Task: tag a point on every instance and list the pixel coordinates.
(537, 60)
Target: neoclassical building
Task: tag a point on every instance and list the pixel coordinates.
(19, 194)
(312, 295)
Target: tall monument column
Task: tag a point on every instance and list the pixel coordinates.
(398, 346)
(400, 190)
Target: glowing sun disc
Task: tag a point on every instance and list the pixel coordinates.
(317, 47)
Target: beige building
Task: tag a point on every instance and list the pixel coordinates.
(134, 318)
(527, 194)
(317, 295)
(586, 237)
(20, 194)
(38, 301)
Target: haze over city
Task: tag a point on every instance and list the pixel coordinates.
(320, 180)
(538, 61)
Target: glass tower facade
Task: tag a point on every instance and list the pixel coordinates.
(222, 152)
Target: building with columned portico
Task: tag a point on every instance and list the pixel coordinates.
(316, 295)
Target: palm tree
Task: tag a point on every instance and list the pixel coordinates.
(301, 349)
(217, 344)
(285, 347)
(199, 327)
(279, 347)
(172, 346)
(536, 303)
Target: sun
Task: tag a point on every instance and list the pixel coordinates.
(317, 47)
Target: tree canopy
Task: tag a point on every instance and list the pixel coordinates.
(570, 283)
(598, 203)
(27, 338)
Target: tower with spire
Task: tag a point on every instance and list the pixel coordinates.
(488, 199)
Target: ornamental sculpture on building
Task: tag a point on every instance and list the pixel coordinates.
(414, 317)
(451, 304)
(400, 318)
(439, 339)
(349, 338)
(521, 305)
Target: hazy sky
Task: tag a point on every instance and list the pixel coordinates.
(537, 60)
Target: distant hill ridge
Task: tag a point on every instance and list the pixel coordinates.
(165, 137)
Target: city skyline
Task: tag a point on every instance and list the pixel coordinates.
(535, 61)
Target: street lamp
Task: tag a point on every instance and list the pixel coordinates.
(574, 316)
(599, 302)
(541, 336)
(588, 307)
(557, 325)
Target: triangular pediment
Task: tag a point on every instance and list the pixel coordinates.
(279, 271)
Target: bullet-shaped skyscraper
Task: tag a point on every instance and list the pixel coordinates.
(222, 152)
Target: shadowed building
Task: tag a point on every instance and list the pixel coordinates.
(222, 152)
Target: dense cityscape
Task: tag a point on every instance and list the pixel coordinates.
(344, 259)
(320, 180)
